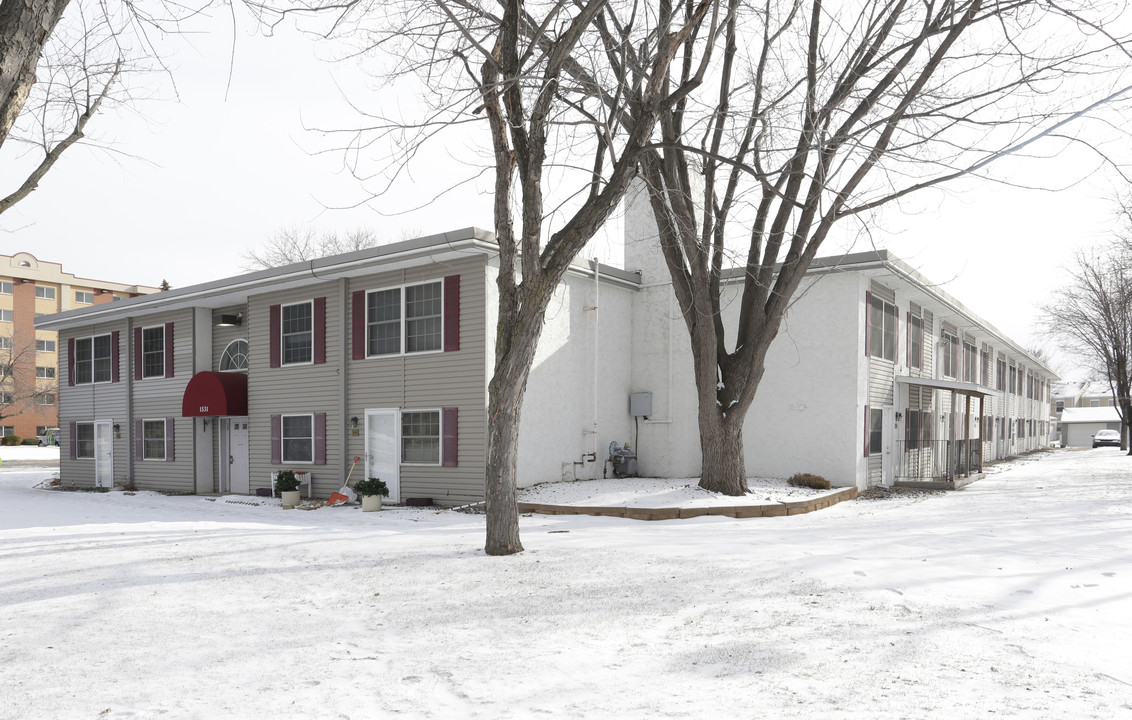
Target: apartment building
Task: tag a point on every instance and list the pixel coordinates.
(29, 358)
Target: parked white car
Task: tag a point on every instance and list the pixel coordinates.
(1106, 438)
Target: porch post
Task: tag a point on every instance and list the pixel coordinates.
(967, 425)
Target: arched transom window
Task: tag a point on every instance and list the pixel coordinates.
(235, 356)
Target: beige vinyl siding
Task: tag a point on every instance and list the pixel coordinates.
(428, 381)
(294, 389)
(87, 403)
(160, 397)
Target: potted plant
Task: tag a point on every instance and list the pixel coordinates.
(287, 485)
(371, 491)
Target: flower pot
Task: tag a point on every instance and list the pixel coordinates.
(371, 503)
(290, 498)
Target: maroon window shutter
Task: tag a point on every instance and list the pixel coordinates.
(868, 430)
(137, 353)
(168, 349)
(907, 427)
(139, 440)
(276, 439)
(895, 333)
(868, 316)
(320, 438)
(273, 323)
(71, 365)
(319, 350)
(451, 313)
(72, 436)
(358, 324)
(170, 441)
(451, 436)
(908, 340)
(115, 356)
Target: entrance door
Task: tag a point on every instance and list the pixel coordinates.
(103, 453)
(238, 456)
(383, 449)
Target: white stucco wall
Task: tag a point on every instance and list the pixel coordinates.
(556, 434)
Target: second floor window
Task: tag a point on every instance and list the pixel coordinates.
(47, 293)
(5, 343)
(970, 354)
(882, 329)
(153, 352)
(950, 348)
(93, 359)
(297, 333)
(42, 371)
(408, 319)
(916, 342)
(45, 345)
(82, 296)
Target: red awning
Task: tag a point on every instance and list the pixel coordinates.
(216, 393)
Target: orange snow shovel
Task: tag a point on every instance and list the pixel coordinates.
(344, 494)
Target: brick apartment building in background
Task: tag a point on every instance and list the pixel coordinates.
(29, 367)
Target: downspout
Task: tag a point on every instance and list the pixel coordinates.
(131, 453)
(346, 346)
(597, 340)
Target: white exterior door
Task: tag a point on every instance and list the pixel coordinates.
(383, 449)
(104, 453)
(238, 456)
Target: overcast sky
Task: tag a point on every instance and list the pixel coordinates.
(193, 182)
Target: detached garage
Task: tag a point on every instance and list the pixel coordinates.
(1078, 425)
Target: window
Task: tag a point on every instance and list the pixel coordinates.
(235, 356)
(6, 430)
(916, 342)
(41, 429)
(153, 439)
(882, 329)
(45, 399)
(153, 352)
(82, 296)
(93, 359)
(420, 437)
(950, 355)
(84, 440)
(5, 370)
(5, 287)
(423, 311)
(1059, 406)
(44, 372)
(984, 367)
(6, 316)
(298, 333)
(5, 343)
(1000, 370)
(46, 293)
(45, 345)
(414, 312)
(970, 357)
(876, 429)
(6, 398)
(1013, 380)
(1094, 403)
(913, 429)
(298, 438)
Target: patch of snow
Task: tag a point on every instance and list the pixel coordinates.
(1006, 599)
(660, 492)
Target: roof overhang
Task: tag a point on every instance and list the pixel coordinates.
(211, 394)
(964, 388)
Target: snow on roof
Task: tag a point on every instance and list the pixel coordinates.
(1090, 415)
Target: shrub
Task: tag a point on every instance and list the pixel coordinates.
(285, 481)
(817, 482)
(10, 440)
(30, 441)
(371, 486)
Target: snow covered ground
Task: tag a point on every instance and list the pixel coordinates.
(1010, 598)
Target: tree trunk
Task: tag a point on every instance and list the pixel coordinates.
(723, 468)
(516, 342)
(25, 26)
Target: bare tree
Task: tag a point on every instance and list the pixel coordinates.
(821, 113)
(569, 92)
(60, 62)
(1092, 318)
(20, 383)
(300, 244)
